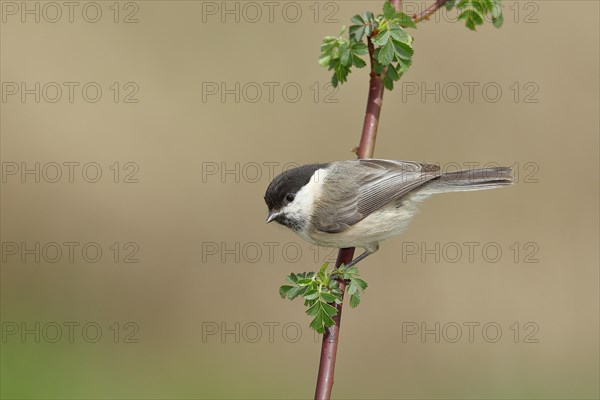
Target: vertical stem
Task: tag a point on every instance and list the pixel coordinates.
(374, 102)
(365, 150)
(330, 339)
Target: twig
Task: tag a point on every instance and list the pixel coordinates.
(425, 14)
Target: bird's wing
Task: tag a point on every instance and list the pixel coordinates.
(366, 186)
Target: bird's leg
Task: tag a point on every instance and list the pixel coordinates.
(358, 259)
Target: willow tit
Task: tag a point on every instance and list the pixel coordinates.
(360, 203)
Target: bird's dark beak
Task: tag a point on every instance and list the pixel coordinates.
(272, 215)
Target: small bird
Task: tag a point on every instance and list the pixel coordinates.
(359, 203)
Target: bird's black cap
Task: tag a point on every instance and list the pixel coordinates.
(289, 182)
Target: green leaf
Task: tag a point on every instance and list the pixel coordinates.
(322, 313)
(328, 42)
(498, 21)
(378, 68)
(360, 49)
(328, 297)
(496, 9)
(333, 283)
(389, 11)
(400, 35)
(357, 32)
(283, 290)
(403, 65)
(341, 73)
(321, 321)
(304, 275)
(472, 18)
(479, 6)
(358, 62)
(345, 59)
(292, 278)
(358, 20)
(392, 74)
(294, 292)
(450, 4)
(386, 54)
(325, 60)
(388, 83)
(334, 81)
(328, 309)
(314, 308)
(381, 38)
(486, 5)
(352, 288)
(304, 282)
(369, 21)
(317, 324)
(355, 300)
(352, 270)
(311, 294)
(363, 25)
(405, 21)
(322, 272)
(473, 12)
(496, 12)
(403, 51)
(362, 284)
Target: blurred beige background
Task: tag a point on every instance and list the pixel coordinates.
(184, 168)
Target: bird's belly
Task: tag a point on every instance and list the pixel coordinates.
(378, 226)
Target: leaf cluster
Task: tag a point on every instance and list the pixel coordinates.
(354, 285)
(392, 50)
(340, 54)
(321, 292)
(473, 12)
(392, 46)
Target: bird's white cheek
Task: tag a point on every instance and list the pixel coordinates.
(303, 205)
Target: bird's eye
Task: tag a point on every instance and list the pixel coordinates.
(289, 197)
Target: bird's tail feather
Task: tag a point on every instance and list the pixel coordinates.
(471, 179)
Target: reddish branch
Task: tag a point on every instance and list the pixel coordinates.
(425, 14)
(365, 150)
(330, 339)
(374, 102)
